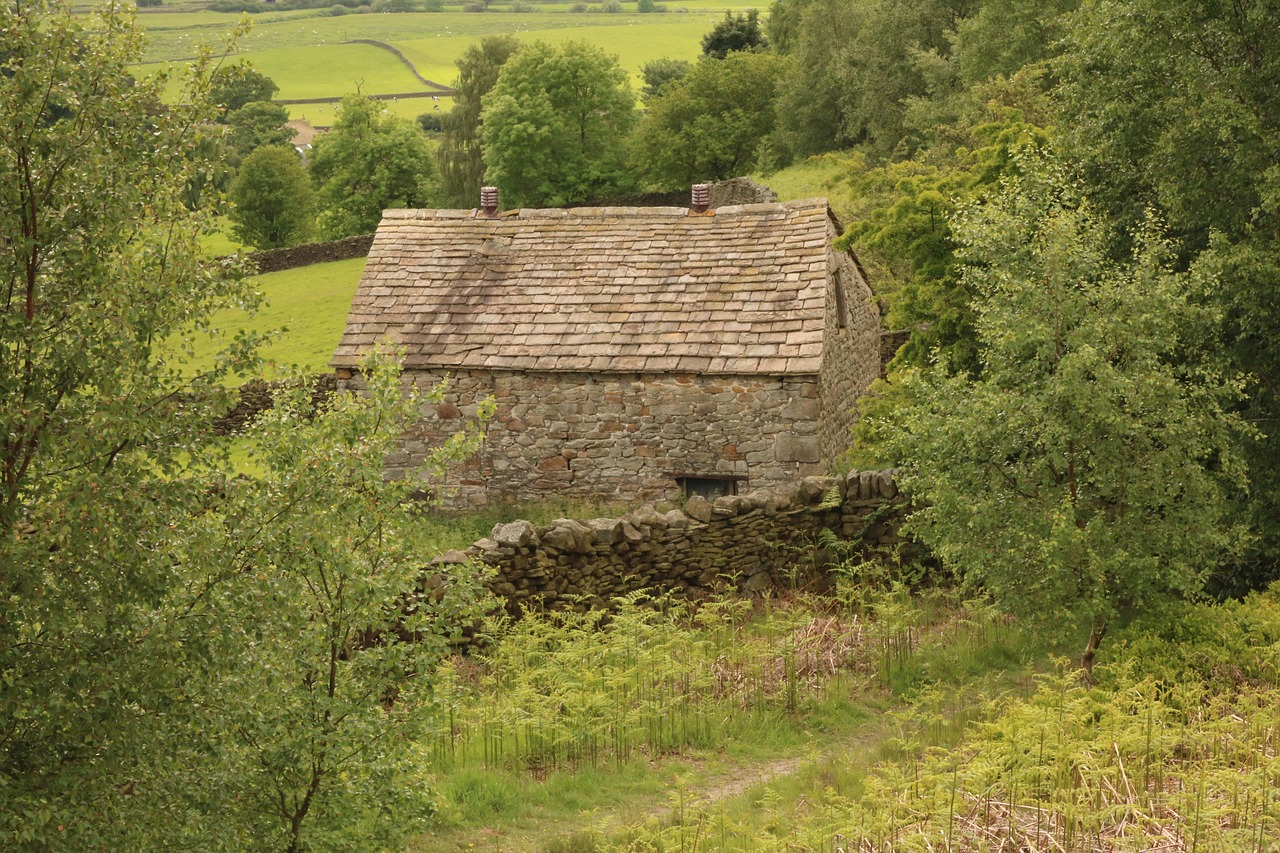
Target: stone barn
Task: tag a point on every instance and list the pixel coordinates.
(634, 353)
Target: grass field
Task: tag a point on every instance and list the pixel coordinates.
(303, 51)
(307, 306)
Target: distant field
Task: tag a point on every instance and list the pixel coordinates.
(303, 51)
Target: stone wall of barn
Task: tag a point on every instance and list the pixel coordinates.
(768, 538)
(850, 352)
(619, 437)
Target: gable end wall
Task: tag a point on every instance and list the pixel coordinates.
(850, 354)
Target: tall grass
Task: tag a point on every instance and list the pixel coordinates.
(1140, 762)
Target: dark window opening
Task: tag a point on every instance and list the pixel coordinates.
(708, 487)
(841, 310)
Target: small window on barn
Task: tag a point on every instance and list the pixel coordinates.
(708, 487)
(842, 311)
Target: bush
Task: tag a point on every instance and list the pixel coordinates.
(337, 10)
(429, 122)
(578, 7)
(521, 6)
(142, 4)
(433, 6)
(476, 6)
(611, 6)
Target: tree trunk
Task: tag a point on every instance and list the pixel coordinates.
(1096, 633)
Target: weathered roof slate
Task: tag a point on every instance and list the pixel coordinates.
(738, 290)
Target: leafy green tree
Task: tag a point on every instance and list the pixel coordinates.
(659, 72)
(1176, 105)
(327, 700)
(461, 153)
(367, 162)
(100, 264)
(257, 124)
(1084, 475)
(190, 659)
(555, 125)
(740, 31)
(710, 125)
(237, 85)
(273, 204)
(903, 216)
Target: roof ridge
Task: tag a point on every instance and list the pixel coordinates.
(532, 213)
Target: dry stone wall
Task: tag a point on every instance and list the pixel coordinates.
(274, 260)
(258, 395)
(755, 541)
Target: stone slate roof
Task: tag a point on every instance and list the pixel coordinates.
(738, 290)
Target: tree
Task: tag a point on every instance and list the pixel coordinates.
(237, 85)
(902, 220)
(736, 32)
(1175, 105)
(272, 201)
(367, 162)
(100, 264)
(659, 72)
(259, 123)
(157, 632)
(326, 638)
(710, 125)
(461, 154)
(554, 127)
(1084, 475)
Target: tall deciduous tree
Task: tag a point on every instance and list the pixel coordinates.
(99, 264)
(461, 153)
(1177, 105)
(554, 127)
(190, 660)
(237, 85)
(710, 124)
(259, 123)
(1083, 476)
(367, 162)
(272, 201)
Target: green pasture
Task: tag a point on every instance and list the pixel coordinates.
(304, 51)
(307, 306)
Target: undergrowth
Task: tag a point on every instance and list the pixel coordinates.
(1175, 749)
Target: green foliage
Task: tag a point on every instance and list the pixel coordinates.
(329, 633)
(736, 32)
(190, 660)
(99, 263)
(659, 72)
(554, 126)
(902, 223)
(1176, 105)
(240, 84)
(461, 154)
(367, 162)
(258, 124)
(709, 125)
(272, 201)
(1082, 476)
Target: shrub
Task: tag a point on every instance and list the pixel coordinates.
(611, 6)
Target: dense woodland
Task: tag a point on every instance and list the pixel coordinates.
(1073, 206)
